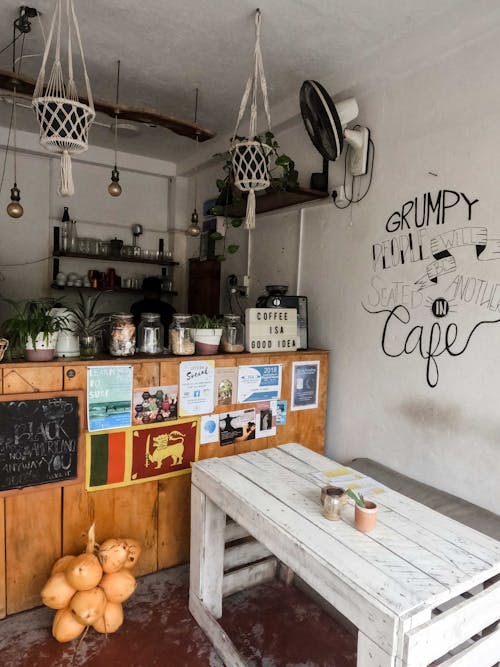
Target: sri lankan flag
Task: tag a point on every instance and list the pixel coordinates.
(106, 459)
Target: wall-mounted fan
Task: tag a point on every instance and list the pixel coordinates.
(326, 123)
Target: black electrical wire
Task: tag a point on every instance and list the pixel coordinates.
(11, 43)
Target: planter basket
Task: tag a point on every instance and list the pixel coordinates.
(251, 158)
(64, 120)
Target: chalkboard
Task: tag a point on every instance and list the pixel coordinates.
(38, 440)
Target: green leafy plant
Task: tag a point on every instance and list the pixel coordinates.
(206, 322)
(357, 497)
(31, 318)
(89, 321)
(283, 177)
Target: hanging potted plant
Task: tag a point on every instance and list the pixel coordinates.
(89, 323)
(365, 512)
(33, 329)
(207, 333)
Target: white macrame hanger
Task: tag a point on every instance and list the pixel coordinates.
(250, 157)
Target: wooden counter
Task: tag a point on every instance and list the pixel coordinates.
(39, 524)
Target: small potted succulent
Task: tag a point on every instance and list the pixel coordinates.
(33, 329)
(365, 512)
(89, 323)
(207, 333)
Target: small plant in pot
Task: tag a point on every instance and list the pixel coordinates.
(365, 512)
(207, 333)
(88, 323)
(33, 329)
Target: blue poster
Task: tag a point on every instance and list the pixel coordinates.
(109, 397)
(259, 383)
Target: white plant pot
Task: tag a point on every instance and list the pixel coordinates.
(43, 347)
(207, 341)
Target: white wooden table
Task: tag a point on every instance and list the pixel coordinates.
(419, 587)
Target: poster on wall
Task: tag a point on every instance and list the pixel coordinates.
(140, 454)
(196, 387)
(305, 385)
(155, 404)
(237, 426)
(226, 385)
(265, 419)
(209, 429)
(281, 407)
(109, 397)
(259, 383)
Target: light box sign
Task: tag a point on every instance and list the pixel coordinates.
(271, 329)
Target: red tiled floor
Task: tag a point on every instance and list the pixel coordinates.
(272, 625)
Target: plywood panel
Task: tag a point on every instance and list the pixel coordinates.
(169, 371)
(22, 380)
(124, 512)
(3, 597)
(173, 520)
(75, 377)
(33, 543)
(146, 374)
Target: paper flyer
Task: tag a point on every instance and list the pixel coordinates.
(226, 385)
(209, 429)
(155, 404)
(259, 383)
(281, 407)
(109, 397)
(237, 426)
(305, 385)
(196, 387)
(265, 419)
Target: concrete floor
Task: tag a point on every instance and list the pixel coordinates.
(271, 625)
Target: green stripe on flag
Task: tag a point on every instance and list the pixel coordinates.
(98, 460)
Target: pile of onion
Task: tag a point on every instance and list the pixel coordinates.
(88, 590)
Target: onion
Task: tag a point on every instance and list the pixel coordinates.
(65, 627)
(113, 555)
(111, 620)
(57, 592)
(84, 572)
(61, 564)
(88, 606)
(134, 551)
(118, 586)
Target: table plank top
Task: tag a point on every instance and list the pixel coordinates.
(415, 558)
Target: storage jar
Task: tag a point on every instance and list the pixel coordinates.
(181, 335)
(150, 334)
(233, 338)
(122, 335)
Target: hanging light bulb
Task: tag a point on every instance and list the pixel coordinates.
(194, 228)
(114, 188)
(15, 209)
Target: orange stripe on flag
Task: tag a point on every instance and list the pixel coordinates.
(116, 457)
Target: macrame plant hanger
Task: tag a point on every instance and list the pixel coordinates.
(250, 158)
(64, 121)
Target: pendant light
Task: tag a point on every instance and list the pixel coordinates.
(15, 209)
(194, 228)
(114, 188)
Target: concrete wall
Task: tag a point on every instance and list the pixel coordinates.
(435, 129)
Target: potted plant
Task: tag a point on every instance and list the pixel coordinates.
(34, 329)
(365, 512)
(88, 322)
(207, 333)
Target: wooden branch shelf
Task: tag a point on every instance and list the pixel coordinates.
(102, 289)
(274, 200)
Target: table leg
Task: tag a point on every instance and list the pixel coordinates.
(371, 655)
(208, 524)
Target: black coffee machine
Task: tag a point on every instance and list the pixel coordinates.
(277, 297)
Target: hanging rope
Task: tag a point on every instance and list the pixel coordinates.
(250, 157)
(64, 121)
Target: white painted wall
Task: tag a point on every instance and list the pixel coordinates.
(442, 119)
(25, 252)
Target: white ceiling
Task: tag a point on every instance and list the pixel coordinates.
(170, 47)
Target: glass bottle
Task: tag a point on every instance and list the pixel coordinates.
(233, 337)
(181, 335)
(150, 334)
(65, 229)
(122, 335)
(73, 237)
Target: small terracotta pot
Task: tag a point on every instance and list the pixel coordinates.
(365, 518)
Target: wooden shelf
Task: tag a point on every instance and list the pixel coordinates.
(99, 289)
(112, 258)
(271, 201)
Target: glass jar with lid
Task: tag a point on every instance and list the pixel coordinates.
(181, 335)
(233, 337)
(122, 335)
(150, 334)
